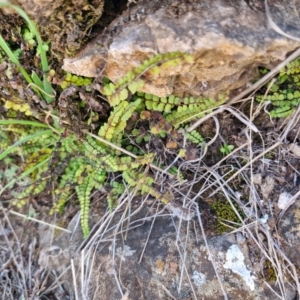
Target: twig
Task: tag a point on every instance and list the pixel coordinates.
(33, 219)
(74, 279)
(220, 110)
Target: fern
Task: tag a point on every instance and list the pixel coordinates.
(144, 185)
(132, 83)
(195, 137)
(117, 189)
(284, 95)
(84, 163)
(83, 191)
(187, 113)
(113, 129)
(75, 80)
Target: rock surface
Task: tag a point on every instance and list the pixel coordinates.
(289, 229)
(159, 260)
(228, 39)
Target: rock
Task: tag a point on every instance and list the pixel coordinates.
(285, 200)
(289, 229)
(228, 40)
(39, 8)
(157, 260)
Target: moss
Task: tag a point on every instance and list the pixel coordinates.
(224, 211)
(269, 271)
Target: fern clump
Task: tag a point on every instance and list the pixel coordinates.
(284, 94)
(59, 161)
(84, 164)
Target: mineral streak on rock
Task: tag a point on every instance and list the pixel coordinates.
(229, 40)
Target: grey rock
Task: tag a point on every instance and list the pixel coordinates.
(289, 229)
(165, 259)
(228, 39)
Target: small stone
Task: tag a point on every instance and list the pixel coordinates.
(257, 178)
(284, 200)
(295, 149)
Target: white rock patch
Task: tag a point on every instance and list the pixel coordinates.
(199, 279)
(284, 200)
(235, 262)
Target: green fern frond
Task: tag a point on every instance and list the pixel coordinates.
(132, 82)
(75, 80)
(83, 193)
(32, 190)
(177, 118)
(107, 131)
(189, 112)
(144, 185)
(292, 68)
(282, 112)
(195, 137)
(284, 94)
(166, 104)
(117, 189)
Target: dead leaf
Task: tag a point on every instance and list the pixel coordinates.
(191, 153)
(171, 145)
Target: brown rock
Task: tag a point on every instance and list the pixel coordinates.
(228, 39)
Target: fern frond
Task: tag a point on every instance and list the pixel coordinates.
(144, 185)
(189, 112)
(83, 193)
(282, 112)
(176, 118)
(108, 129)
(292, 68)
(117, 190)
(195, 137)
(132, 82)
